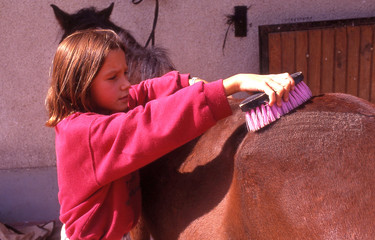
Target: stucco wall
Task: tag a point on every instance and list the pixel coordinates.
(193, 32)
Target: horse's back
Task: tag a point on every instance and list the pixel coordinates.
(310, 175)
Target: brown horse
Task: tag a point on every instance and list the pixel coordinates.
(308, 175)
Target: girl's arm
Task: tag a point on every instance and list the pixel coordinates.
(154, 88)
(124, 142)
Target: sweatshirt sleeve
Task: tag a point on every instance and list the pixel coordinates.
(124, 142)
(157, 87)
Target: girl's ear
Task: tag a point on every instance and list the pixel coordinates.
(106, 13)
(62, 17)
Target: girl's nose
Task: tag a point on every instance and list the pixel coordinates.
(125, 84)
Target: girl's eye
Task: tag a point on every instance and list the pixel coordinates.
(113, 77)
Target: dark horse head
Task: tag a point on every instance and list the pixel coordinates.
(143, 63)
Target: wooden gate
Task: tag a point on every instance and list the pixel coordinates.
(335, 56)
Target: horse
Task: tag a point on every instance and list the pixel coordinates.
(306, 176)
(309, 175)
(144, 63)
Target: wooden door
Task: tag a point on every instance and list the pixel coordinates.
(334, 56)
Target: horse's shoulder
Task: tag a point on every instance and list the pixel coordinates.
(212, 143)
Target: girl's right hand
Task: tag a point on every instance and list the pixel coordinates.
(276, 86)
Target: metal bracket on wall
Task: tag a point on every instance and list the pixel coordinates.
(240, 21)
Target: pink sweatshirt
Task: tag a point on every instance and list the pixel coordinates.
(98, 155)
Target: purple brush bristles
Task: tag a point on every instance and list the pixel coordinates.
(263, 115)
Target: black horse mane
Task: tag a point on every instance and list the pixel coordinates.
(143, 63)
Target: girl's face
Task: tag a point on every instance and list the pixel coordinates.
(110, 87)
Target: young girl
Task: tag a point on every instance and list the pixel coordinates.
(107, 129)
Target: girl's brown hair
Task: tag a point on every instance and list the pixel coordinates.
(77, 61)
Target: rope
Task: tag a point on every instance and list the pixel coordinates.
(156, 15)
(230, 21)
(136, 2)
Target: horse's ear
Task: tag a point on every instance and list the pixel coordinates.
(62, 17)
(107, 11)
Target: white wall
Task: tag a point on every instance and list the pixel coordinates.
(193, 31)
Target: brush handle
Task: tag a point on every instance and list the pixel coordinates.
(257, 99)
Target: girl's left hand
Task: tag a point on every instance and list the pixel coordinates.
(195, 80)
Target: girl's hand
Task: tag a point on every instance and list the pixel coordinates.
(276, 86)
(195, 80)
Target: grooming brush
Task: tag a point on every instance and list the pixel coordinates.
(260, 114)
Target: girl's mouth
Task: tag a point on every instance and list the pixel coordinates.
(124, 98)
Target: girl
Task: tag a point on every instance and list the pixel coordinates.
(107, 129)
